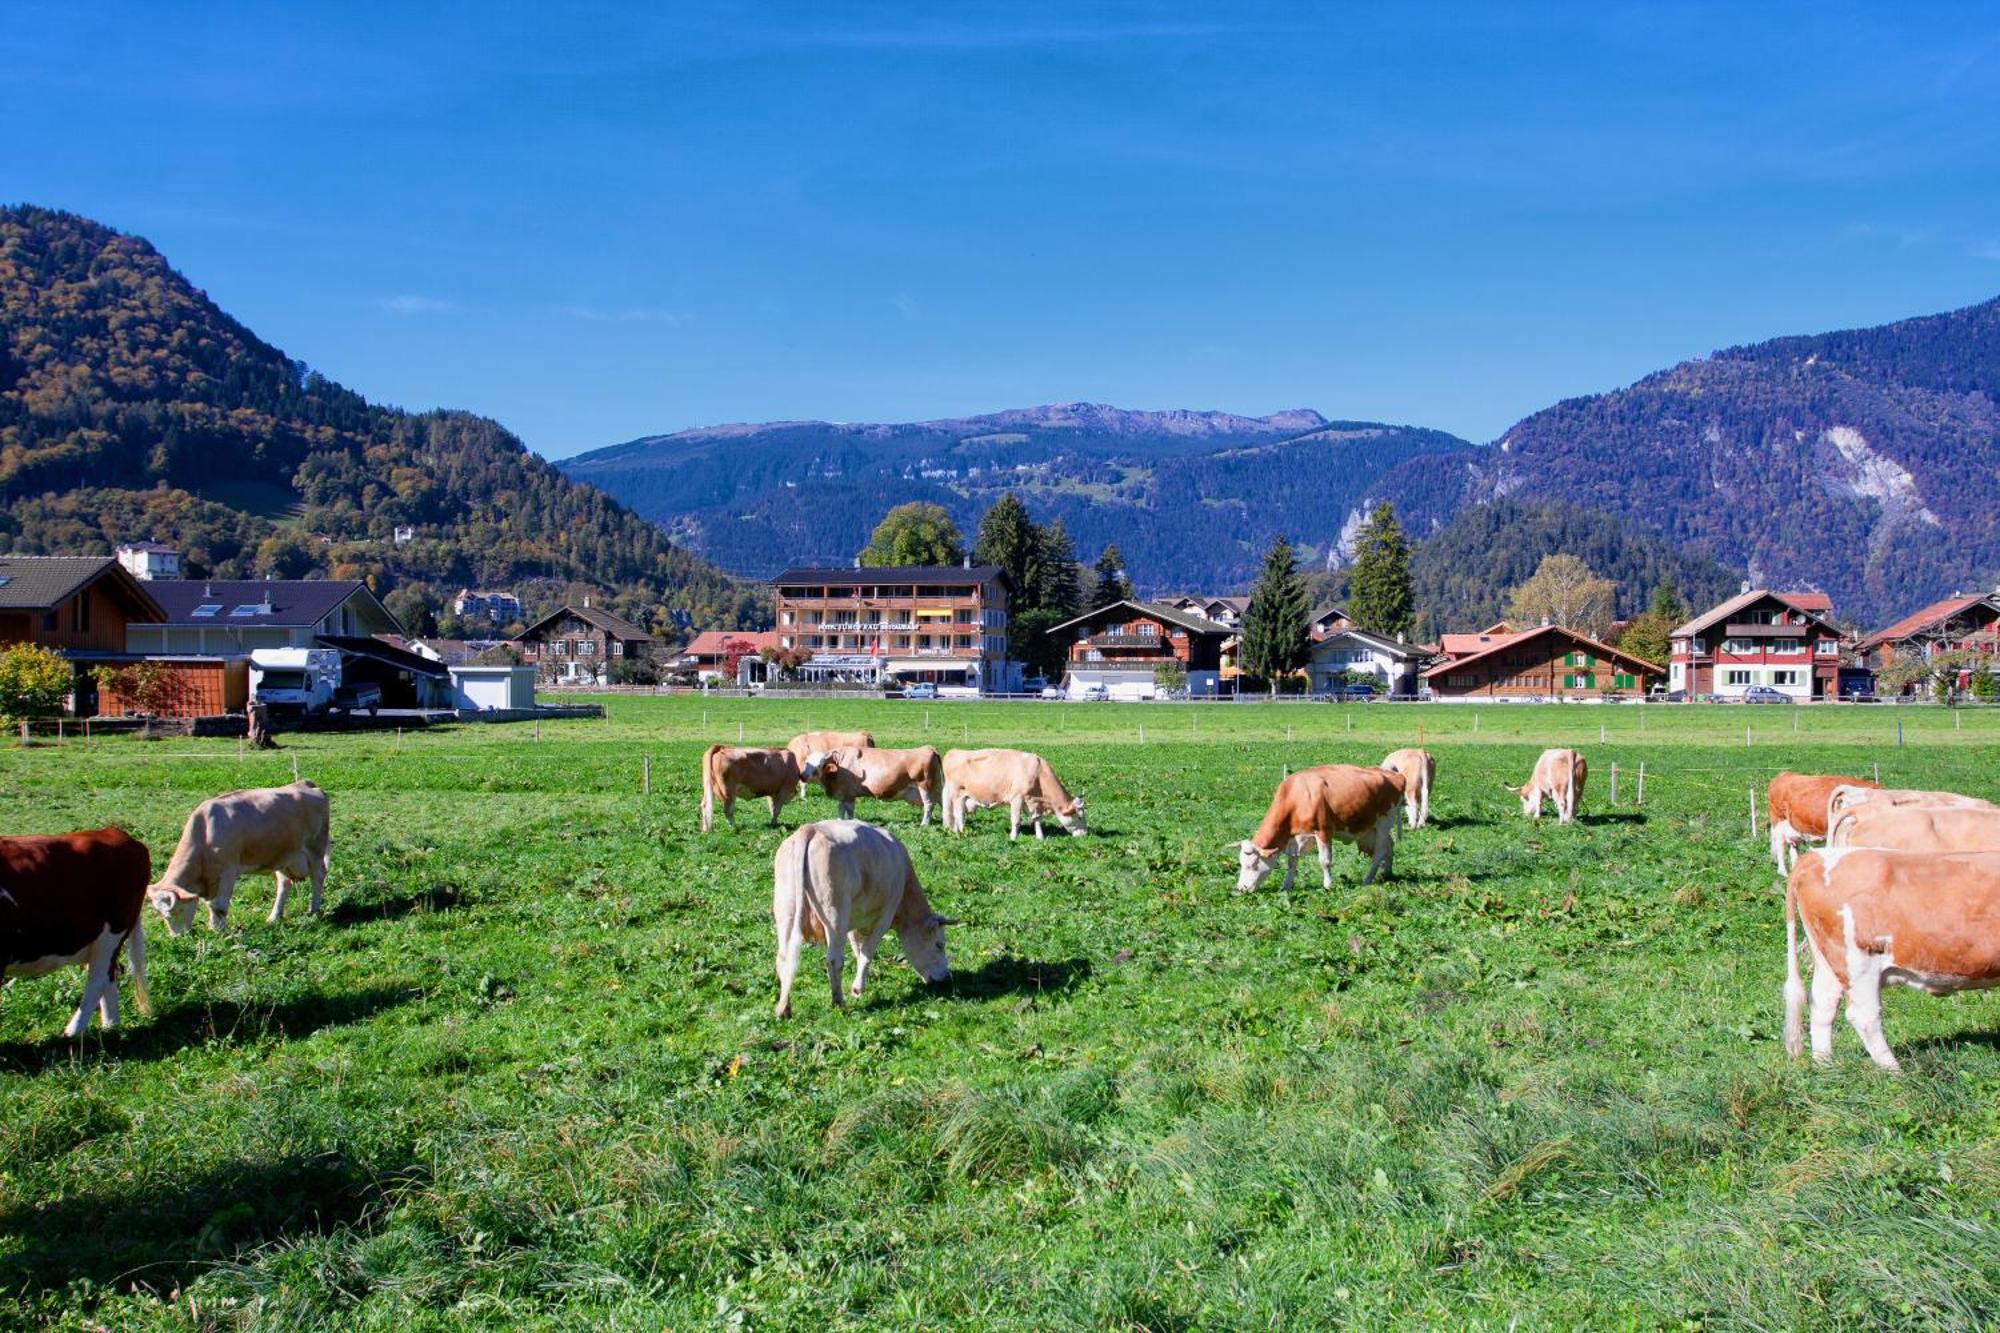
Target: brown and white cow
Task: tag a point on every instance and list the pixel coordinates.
(1917, 828)
(843, 880)
(916, 776)
(1558, 778)
(1322, 806)
(74, 900)
(1417, 768)
(280, 829)
(1018, 779)
(729, 771)
(1851, 797)
(1927, 920)
(1796, 804)
(809, 743)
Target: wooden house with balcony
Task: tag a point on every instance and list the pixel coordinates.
(1782, 640)
(943, 625)
(1123, 645)
(1550, 662)
(1962, 622)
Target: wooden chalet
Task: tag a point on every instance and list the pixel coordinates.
(1550, 662)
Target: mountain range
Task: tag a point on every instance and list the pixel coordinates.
(132, 408)
(1859, 462)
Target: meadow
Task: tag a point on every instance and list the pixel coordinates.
(525, 1072)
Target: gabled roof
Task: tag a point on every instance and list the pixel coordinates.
(43, 582)
(1466, 645)
(1379, 642)
(896, 574)
(1513, 640)
(596, 617)
(295, 603)
(388, 654)
(1813, 604)
(1942, 609)
(1171, 615)
(709, 643)
(1329, 612)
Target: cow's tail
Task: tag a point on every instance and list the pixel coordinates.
(708, 785)
(1795, 990)
(1569, 787)
(137, 948)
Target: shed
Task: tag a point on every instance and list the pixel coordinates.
(480, 688)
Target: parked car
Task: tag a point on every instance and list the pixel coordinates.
(1351, 692)
(1764, 694)
(1035, 685)
(365, 697)
(1053, 692)
(922, 690)
(1671, 696)
(1096, 692)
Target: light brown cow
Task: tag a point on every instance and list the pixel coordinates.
(280, 829)
(1018, 779)
(1417, 768)
(1927, 920)
(1849, 797)
(1796, 804)
(1917, 828)
(809, 743)
(1333, 803)
(728, 772)
(74, 900)
(916, 776)
(841, 880)
(1558, 778)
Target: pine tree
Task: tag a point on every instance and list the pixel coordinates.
(1275, 644)
(1008, 538)
(1667, 604)
(1057, 583)
(1112, 585)
(1379, 599)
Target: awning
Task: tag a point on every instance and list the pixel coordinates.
(402, 659)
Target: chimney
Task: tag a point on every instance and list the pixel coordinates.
(1745, 587)
(586, 601)
(207, 588)
(968, 562)
(265, 607)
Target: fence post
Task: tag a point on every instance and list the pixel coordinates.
(739, 732)
(295, 767)
(1642, 783)
(1753, 814)
(1600, 733)
(1142, 733)
(1899, 733)
(1878, 772)
(538, 729)
(646, 776)
(1475, 719)
(1614, 782)
(1288, 735)
(1746, 735)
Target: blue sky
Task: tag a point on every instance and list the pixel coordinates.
(599, 222)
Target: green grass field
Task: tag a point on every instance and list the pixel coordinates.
(526, 1071)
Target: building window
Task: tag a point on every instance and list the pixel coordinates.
(51, 621)
(1784, 678)
(1623, 680)
(1736, 676)
(1788, 647)
(1462, 682)
(1827, 648)
(618, 647)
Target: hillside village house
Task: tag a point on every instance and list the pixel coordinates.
(1122, 645)
(581, 644)
(237, 616)
(941, 624)
(1782, 640)
(1393, 664)
(1960, 622)
(1550, 662)
(495, 606)
(80, 606)
(708, 653)
(149, 560)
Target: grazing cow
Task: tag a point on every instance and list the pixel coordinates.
(1851, 797)
(1417, 768)
(916, 776)
(73, 900)
(809, 743)
(1928, 920)
(280, 829)
(1333, 803)
(728, 772)
(1017, 779)
(1558, 777)
(1917, 828)
(1796, 803)
(841, 880)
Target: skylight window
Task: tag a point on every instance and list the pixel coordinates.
(208, 608)
(248, 609)
(6, 579)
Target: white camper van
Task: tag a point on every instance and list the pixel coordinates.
(295, 680)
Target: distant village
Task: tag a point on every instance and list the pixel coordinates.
(141, 638)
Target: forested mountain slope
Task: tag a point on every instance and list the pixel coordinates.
(132, 407)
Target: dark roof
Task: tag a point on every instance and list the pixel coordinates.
(1942, 609)
(1811, 603)
(897, 574)
(1514, 641)
(1392, 646)
(40, 582)
(1159, 611)
(386, 653)
(295, 603)
(617, 627)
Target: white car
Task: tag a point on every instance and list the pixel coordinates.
(1053, 692)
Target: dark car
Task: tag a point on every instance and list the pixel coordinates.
(1670, 696)
(1352, 692)
(1764, 694)
(363, 698)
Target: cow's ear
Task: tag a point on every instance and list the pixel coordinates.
(937, 920)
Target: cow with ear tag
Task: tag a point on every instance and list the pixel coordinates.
(843, 882)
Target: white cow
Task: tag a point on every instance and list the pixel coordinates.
(1417, 769)
(1018, 779)
(280, 829)
(843, 880)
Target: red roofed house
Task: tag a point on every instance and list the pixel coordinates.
(1782, 640)
(1962, 621)
(709, 652)
(1550, 662)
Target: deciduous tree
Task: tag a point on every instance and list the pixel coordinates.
(918, 533)
(1563, 591)
(34, 682)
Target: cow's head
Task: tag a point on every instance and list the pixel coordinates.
(1073, 819)
(175, 906)
(813, 763)
(1253, 865)
(923, 945)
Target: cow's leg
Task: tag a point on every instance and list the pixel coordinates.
(865, 951)
(923, 799)
(1781, 844)
(1864, 994)
(847, 808)
(97, 976)
(1325, 862)
(107, 1006)
(1291, 865)
(729, 806)
(316, 872)
(1825, 1001)
(278, 903)
(776, 805)
(218, 906)
(790, 940)
(1037, 817)
(1014, 820)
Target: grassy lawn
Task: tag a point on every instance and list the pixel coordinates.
(526, 1070)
